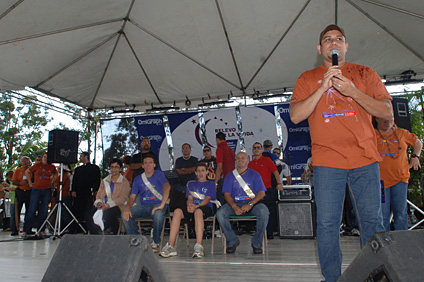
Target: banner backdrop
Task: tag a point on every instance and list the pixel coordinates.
(258, 123)
(152, 128)
(222, 120)
(298, 146)
(258, 126)
(184, 129)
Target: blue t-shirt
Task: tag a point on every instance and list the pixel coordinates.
(252, 179)
(274, 157)
(207, 188)
(146, 197)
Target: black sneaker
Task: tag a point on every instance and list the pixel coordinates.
(14, 233)
(257, 251)
(233, 248)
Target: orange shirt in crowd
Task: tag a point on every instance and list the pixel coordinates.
(18, 175)
(341, 130)
(66, 184)
(42, 175)
(395, 166)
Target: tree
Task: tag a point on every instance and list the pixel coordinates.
(22, 125)
(123, 142)
(416, 105)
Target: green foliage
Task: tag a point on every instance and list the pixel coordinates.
(22, 124)
(416, 105)
(123, 142)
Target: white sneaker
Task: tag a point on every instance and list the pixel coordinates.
(198, 251)
(155, 247)
(168, 251)
(217, 234)
(355, 232)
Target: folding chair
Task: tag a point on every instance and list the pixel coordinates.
(138, 222)
(236, 218)
(212, 219)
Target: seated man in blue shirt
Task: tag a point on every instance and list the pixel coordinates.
(243, 190)
(154, 192)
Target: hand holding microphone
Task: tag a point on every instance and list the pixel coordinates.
(335, 57)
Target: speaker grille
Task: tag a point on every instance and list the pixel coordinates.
(62, 147)
(296, 219)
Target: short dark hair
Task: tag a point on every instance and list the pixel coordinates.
(202, 164)
(126, 159)
(148, 156)
(116, 160)
(220, 136)
(87, 154)
(186, 144)
(257, 143)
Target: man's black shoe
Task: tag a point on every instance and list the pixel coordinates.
(257, 251)
(31, 233)
(14, 233)
(270, 236)
(233, 248)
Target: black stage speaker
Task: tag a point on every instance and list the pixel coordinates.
(104, 258)
(401, 111)
(389, 256)
(62, 147)
(296, 219)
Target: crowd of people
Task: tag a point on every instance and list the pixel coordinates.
(338, 99)
(37, 187)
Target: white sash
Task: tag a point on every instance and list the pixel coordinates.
(107, 188)
(243, 184)
(151, 188)
(202, 197)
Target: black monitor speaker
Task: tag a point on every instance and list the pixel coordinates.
(390, 257)
(104, 258)
(401, 111)
(63, 146)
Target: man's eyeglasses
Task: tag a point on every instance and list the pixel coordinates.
(257, 147)
(145, 143)
(186, 148)
(206, 150)
(277, 153)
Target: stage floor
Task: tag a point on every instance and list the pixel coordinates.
(284, 260)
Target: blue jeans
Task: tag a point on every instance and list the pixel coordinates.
(396, 200)
(365, 192)
(259, 210)
(12, 224)
(145, 211)
(40, 199)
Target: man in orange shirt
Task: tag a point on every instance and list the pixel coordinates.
(45, 175)
(23, 191)
(339, 100)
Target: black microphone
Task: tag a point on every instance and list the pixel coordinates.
(335, 57)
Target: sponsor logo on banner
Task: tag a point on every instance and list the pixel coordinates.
(155, 121)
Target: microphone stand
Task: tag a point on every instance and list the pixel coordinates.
(57, 231)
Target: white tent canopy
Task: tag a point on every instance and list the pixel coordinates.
(117, 53)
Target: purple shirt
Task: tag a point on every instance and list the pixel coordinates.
(146, 196)
(252, 179)
(207, 188)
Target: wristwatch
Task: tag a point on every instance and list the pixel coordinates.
(415, 156)
(250, 204)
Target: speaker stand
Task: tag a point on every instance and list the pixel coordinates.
(57, 231)
(420, 211)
